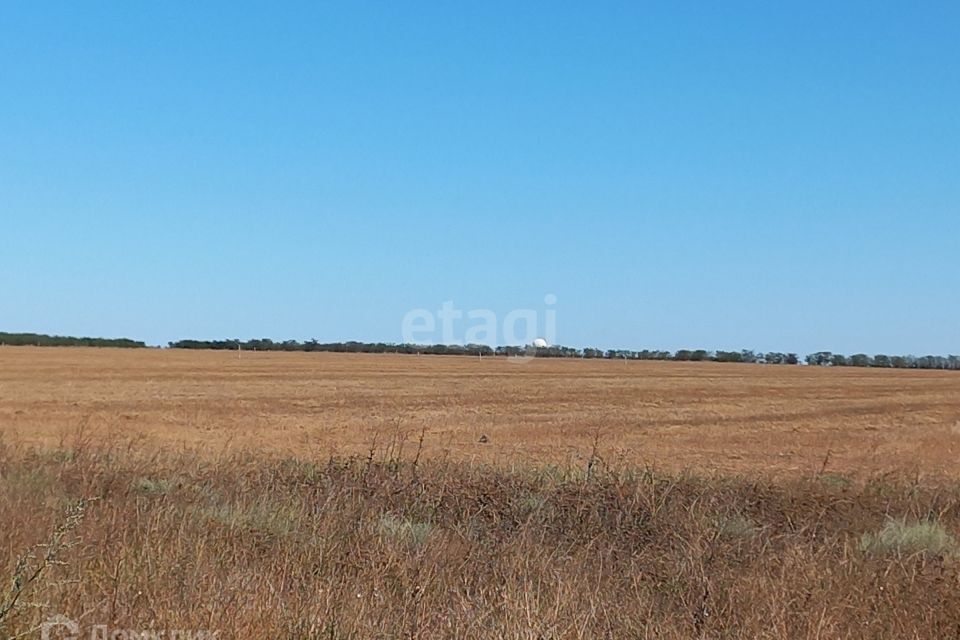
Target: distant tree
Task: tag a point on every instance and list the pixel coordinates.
(820, 358)
(728, 356)
(860, 360)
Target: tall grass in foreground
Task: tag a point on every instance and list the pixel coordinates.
(374, 548)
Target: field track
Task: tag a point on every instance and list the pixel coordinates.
(704, 416)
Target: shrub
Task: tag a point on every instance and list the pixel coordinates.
(405, 530)
(738, 527)
(897, 536)
(151, 486)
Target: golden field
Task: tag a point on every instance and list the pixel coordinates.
(160, 494)
(731, 417)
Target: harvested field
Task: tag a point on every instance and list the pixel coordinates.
(704, 416)
(291, 496)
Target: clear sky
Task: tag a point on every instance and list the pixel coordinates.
(720, 175)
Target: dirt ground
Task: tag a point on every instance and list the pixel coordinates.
(700, 416)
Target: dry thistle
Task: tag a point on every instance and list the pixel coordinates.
(33, 566)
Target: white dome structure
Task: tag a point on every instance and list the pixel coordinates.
(540, 343)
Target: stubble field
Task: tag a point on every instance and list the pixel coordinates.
(744, 418)
(183, 494)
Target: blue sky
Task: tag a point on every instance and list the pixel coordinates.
(717, 175)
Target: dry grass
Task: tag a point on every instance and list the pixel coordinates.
(364, 548)
(290, 496)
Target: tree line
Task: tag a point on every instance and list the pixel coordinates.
(43, 340)
(821, 358)
(829, 359)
